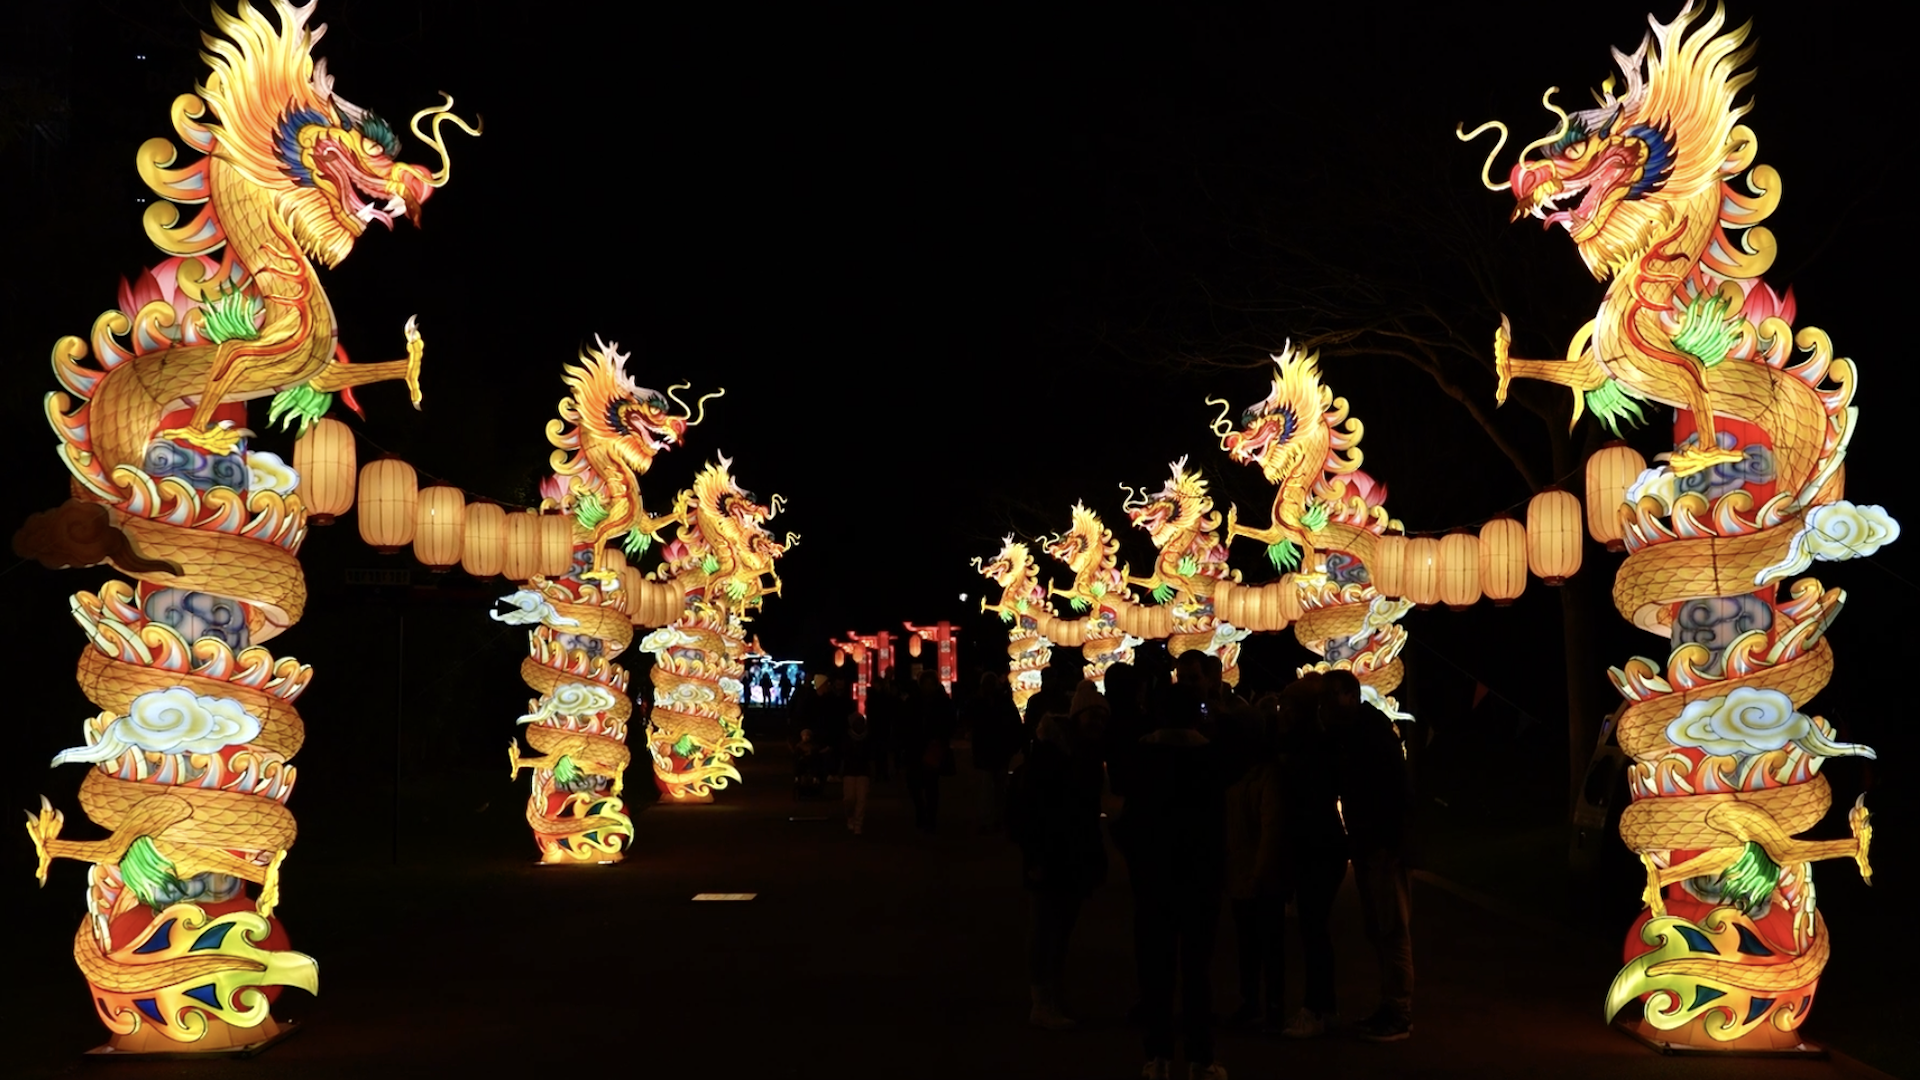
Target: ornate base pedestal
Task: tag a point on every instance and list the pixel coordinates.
(221, 1040)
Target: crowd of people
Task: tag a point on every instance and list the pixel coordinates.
(1220, 805)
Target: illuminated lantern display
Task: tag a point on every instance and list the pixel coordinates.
(1389, 564)
(483, 546)
(1553, 535)
(860, 648)
(1459, 570)
(439, 526)
(1610, 472)
(323, 458)
(1503, 560)
(189, 758)
(1190, 564)
(389, 504)
(1329, 519)
(1022, 606)
(1099, 591)
(579, 612)
(520, 547)
(946, 641)
(1423, 571)
(723, 561)
(1730, 949)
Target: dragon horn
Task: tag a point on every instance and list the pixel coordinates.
(442, 112)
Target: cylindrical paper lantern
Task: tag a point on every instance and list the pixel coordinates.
(1288, 599)
(522, 559)
(389, 494)
(439, 526)
(614, 559)
(324, 459)
(913, 645)
(556, 545)
(1459, 570)
(1610, 471)
(1388, 567)
(630, 580)
(1503, 560)
(1553, 535)
(1423, 571)
(839, 658)
(483, 543)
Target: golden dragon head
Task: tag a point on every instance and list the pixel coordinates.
(1087, 547)
(733, 525)
(1650, 154)
(1298, 430)
(1011, 567)
(325, 167)
(615, 414)
(1177, 510)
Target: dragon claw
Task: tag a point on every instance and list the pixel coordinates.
(219, 440)
(1860, 820)
(416, 345)
(44, 829)
(1694, 459)
(1502, 343)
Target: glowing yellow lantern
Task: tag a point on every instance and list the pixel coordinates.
(1422, 581)
(615, 560)
(1458, 570)
(323, 457)
(913, 645)
(483, 545)
(1554, 535)
(522, 555)
(439, 525)
(1287, 598)
(389, 497)
(839, 658)
(1388, 567)
(556, 545)
(1610, 471)
(1503, 560)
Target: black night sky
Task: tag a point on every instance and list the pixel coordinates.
(956, 269)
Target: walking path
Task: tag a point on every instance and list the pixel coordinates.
(891, 954)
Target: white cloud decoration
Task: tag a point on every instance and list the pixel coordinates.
(1832, 533)
(572, 699)
(530, 607)
(1750, 720)
(170, 721)
(269, 472)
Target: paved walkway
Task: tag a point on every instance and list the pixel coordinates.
(886, 955)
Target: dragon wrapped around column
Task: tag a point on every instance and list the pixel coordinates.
(1099, 589)
(606, 437)
(1189, 566)
(1649, 183)
(191, 750)
(722, 561)
(1023, 607)
(1327, 513)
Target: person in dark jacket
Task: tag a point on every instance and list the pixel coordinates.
(926, 733)
(1376, 800)
(856, 771)
(996, 734)
(1255, 861)
(1172, 831)
(1314, 844)
(1063, 854)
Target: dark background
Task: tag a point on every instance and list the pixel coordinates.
(936, 257)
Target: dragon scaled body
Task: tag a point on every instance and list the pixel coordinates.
(190, 756)
(1731, 946)
(723, 562)
(1023, 606)
(1327, 514)
(1190, 564)
(1100, 589)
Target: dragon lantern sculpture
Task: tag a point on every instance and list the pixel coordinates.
(722, 561)
(1327, 514)
(607, 435)
(191, 750)
(1100, 589)
(1730, 949)
(1189, 567)
(1023, 606)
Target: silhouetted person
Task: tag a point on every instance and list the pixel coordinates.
(927, 733)
(1313, 842)
(1255, 860)
(1063, 854)
(884, 719)
(1376, 801)
(856, 771)
(1172, 831)
(996, 734)
(766, 688)
(786, 687)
